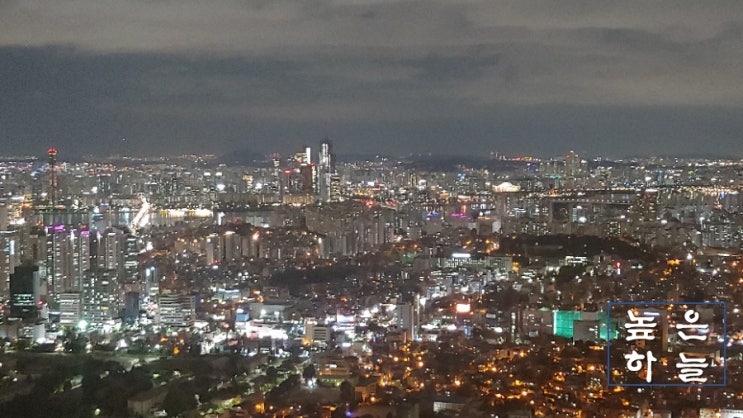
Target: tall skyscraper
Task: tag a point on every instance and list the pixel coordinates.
(306, 172)
(24, 291)
(52, 154)
(10, 257)
(572, 164)
(326, 161)
(131, 307)
(68, 256)
(335, 187)
(129, 265)
(325, 169)
(3, 216)
(118, 250)
(108, 249)
(407, 319)
(100, 297)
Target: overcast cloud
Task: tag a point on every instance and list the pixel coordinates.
(466, 77)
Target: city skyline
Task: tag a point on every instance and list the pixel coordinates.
(374, 76)
(311, 286)
(371, 208)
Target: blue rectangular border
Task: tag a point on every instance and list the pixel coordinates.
(650, 385)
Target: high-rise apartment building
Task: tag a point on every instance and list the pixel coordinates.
(67, 257)
(100, 298)
(70, 308)
(335, 188)
(10, 258)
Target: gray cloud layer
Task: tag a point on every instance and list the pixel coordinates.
(396, 76)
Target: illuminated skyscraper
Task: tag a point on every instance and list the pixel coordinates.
(326, 155)
(52, 154)
(100, 297)
(572, 164)
(118, 250)
(325, 169)
(10, 257)
(67, 257)
(70, 308)
(335, 187)
(129, 267)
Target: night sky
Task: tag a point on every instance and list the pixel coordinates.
(147, 77)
